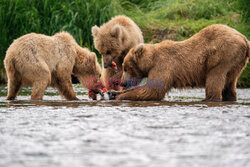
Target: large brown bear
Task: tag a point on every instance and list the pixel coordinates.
(40, 61)
(113, 40)
(213, 58)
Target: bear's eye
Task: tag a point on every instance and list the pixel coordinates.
(108, 52)
(125, 70)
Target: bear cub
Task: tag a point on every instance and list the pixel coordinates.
(41, 61)
(213, 58)
(113, 40)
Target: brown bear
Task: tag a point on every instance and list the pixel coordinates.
(40, 61)
(213, 58)
(113, 40)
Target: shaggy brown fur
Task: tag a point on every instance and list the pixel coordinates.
(213, 58)
(40, 61)
(113, 40)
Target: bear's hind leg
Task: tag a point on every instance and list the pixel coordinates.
(40, 84)
(215, 82)
(13, 88)
(229, 92)
(38, 89)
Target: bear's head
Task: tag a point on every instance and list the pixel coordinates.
(109, 42)
(137, 64)
(86, 67)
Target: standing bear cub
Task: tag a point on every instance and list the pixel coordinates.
(40, 61)
(213, 58)
(113, 40)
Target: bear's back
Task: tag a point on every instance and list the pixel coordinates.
(36, 49)
(31, 45)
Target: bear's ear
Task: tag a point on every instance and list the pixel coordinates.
(138, 51)
(95, 31)
(93, 56)
(116, 31)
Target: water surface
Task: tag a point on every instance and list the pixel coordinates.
(180, 131)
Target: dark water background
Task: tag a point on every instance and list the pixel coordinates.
(179, 131)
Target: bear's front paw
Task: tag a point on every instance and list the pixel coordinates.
(120, 97)
(112, 94)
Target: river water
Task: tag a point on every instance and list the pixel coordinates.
(179, 131)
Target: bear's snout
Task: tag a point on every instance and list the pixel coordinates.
(123, 84)
(107, 65)
(107, 61)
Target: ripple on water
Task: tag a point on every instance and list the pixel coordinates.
(178, 131)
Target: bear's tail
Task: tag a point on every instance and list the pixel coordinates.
(248, 47)
(9, 67)
(248, 51)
